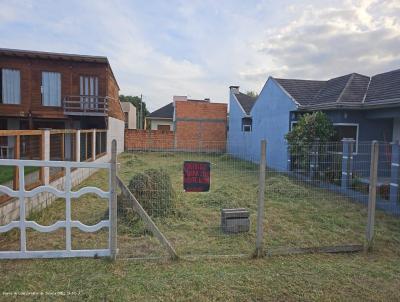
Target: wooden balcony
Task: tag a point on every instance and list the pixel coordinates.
(86, 105)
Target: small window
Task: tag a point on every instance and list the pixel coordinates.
(51, 89)
(247, 124)
(126, 120)
(10, 86)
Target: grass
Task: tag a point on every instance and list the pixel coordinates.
(296, 215)
(7, 172)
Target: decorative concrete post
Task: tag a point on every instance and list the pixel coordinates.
(46, 156)
(78, 146)
(347, 162)
(94, 145)
(394, 172)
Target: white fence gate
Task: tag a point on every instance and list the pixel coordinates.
(68, 223)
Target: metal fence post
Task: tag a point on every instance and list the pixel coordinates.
(372, 195)
(260, 209)
(113, 206)
(394, 172)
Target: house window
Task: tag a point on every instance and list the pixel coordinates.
(343, 130)
(89, 91)
(293, 125)
(247, 124)
(51, 89)
(10, 86)
(126, 120)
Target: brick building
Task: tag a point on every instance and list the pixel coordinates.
(200, 124)
(192, 125)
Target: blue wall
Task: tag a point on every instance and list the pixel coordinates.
(239, 142)
(270, 121)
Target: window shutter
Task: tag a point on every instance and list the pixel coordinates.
(11, 86)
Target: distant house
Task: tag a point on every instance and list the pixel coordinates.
(162, 118)
(130, 115)
(360, 107)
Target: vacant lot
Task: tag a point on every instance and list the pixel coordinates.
(296, 215)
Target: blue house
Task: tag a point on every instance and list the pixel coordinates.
(360, 107)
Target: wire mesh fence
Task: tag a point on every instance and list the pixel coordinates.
(204, 198)
(316, 197)
(190, 220)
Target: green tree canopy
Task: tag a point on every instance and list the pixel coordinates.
(253, 94)
(311, 127)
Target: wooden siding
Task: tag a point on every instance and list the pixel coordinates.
(31, 79)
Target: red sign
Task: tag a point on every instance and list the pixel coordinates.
(196, 176)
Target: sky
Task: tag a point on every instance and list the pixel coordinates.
(199, 48)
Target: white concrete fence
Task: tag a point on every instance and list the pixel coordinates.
(48, 145)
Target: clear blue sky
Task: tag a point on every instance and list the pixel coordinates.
(199, 48)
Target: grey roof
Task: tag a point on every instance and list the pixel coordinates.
(164, 112)
(303, 91)
(245, 101)
(33, 54)
(344, 89)
(348, 90)
(52, 55)
(384, 86)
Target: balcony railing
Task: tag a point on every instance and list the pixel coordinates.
(86, 105)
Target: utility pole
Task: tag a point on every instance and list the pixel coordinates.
(141, 112)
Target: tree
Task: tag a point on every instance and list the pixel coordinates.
(311, 131)
(141, 109)
(311, 127)
(252, 94)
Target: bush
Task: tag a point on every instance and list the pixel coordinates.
(153, 189)
(310, 129)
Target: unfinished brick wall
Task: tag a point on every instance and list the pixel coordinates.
(200, 126)
(148, 140)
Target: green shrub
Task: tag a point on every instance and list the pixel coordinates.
(310, 128)
(153, 189)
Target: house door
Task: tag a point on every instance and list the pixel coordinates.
(89, 91)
